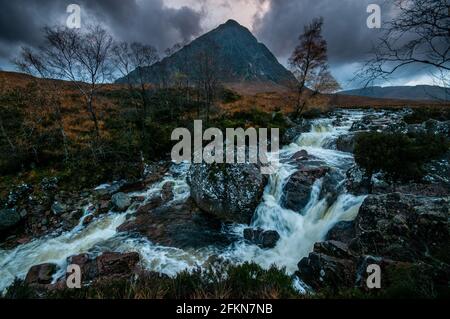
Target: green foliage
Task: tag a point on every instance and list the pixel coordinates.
(399, 156)
(409, 282)
(252, 118)
(246, 281)
(312, 113)
(229, 96)
(20, 290)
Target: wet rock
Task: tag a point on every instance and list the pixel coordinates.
(87, 265)
(333, 248)
(41, 274)
(88, 219)
(9, 217)
(358, 183)
(180, 225)
(391, 230)
(107, 190)
(332, 185)
(261, 237)
(297, 191)
(130, 187)
(120, 202)
(103, 206)
(231, 192)
(402, 227)
(154, 172)
(346, 143)
(320, 270)
(343, 231)
(381, 122)
(151, 204)
(300, 155)
(430, 127)
(58, 208)
(438, 171)
(18, 194)
(167, 191)
(107, 265)
(111, 263)
(293, 133)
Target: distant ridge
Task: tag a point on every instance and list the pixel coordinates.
(236, 51)
(417, 93)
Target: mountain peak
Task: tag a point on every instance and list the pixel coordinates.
(238, 53)
(231, 22)
(232, 26)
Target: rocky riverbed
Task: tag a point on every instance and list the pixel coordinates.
(313, 216)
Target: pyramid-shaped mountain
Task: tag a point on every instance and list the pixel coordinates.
(235, 52)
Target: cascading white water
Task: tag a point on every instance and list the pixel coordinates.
(100, 235)
(298, 232)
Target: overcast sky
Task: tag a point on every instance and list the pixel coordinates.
(162, 23)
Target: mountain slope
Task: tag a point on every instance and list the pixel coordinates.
(419, 92)
(237, 55)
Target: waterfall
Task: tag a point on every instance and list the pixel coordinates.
(298, 230)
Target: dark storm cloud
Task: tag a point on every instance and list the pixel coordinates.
(345, 29)
(150, 22)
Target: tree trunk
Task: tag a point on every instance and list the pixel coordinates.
(93, 116)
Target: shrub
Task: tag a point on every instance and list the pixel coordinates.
(239, 281)
(399, 156)
(229, 96)
(421, 115)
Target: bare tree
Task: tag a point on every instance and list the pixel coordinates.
(121, 58)
(310, 67)
(206, 76)
(323, 82)
(142, 57)
(418, 35)
(32, 63)
(135, 57)
(81, 57)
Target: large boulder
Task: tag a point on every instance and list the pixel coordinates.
(41, 274)
(120, 202)
(261, 237)
(346, 143)
(231, 192)
(402, 227)
(343, 231)
(9, 217)
(320, 270)
(297, 191)
(111, 263)
(107, 265)
(332, 185)
(180, 225)
(395, 231)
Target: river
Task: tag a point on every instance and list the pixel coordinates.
(298, 230)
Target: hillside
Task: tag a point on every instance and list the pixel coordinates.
(418, 92)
